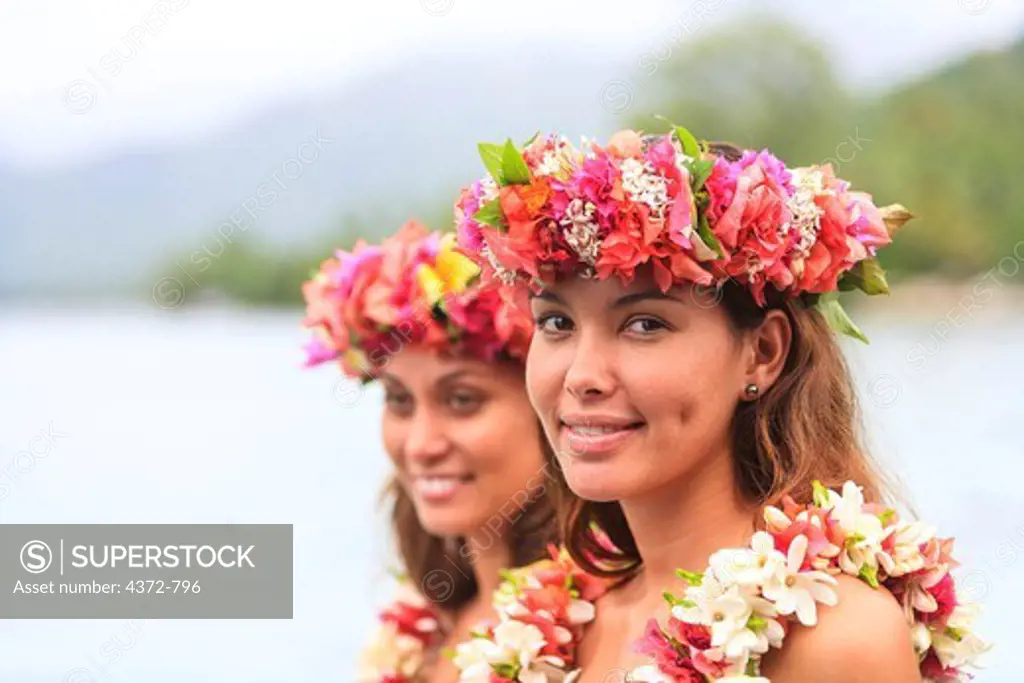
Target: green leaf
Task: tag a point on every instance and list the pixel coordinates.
(837, 318)
(868, 277)
(492, 155)
(692, 578)
(489, 214)
(708, 237)
(671, 599)
(755, 622)
(532, 139)
(700, 171)
(869, 574)
(820, 493)
(690, 146)
(513, 166)
(509, 671)
(887, 516)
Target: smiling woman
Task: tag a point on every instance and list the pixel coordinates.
(469, 495)
(713, 439)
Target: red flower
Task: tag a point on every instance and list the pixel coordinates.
(932, 669)
(668, 659)
(944, 593)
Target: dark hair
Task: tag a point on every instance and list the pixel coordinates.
(803, 428)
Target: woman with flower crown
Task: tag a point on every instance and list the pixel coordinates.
(684, 367)
(469, 492)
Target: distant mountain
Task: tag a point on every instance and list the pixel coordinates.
(402, 141)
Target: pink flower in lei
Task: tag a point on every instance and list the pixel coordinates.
(542, 609)
(407, 638)
(747, 599)
(671, 204)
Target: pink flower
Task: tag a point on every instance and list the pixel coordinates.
(751, 225)
(669, 661)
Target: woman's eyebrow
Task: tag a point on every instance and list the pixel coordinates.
(547, 296)
(655, 294)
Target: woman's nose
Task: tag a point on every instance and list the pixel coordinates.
(426, 439)
(589, 375)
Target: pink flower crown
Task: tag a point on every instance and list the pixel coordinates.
(414, 289)
(692, 212)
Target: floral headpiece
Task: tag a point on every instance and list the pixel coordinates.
(551, 210)
(412, 289)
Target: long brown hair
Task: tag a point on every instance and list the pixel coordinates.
(805, 427)
(441, 568)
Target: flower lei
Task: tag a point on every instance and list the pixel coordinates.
(747, 599)
(408, 630)
(542, 609)
(552, 210)
(414, 288)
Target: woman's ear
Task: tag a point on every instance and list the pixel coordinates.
(769, 346)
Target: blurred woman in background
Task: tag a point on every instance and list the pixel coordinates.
(468, 496)
(684, 369)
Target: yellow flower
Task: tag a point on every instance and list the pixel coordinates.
(451, 274)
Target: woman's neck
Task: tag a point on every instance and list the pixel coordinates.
(487, 565)
(682, 523)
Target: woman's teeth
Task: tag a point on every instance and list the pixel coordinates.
(596, 431)
(437, 486)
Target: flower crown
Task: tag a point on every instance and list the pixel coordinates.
(692, 212)
(412, 289)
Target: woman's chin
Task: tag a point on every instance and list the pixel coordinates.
(597, 481)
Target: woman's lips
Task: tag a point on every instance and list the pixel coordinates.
(439, 488)
(582, 440)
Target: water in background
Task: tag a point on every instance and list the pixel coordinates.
(206, 417)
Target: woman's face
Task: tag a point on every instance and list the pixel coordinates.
(635, 389)
(464, 440)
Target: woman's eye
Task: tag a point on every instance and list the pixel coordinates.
(553, 323)
(398, 403)
(645, 325)
(464, 402)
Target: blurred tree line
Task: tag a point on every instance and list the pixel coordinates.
(948, 146)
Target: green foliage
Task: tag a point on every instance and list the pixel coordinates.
(947, 146)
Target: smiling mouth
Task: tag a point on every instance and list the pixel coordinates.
(591, 439)
(439, 488)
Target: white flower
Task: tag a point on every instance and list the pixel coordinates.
(794, 591)
(582, 233)
(748, 566)
(727, 610)
(645, 186)
(864, 531)
(647, 674)
(474, 658)
(957, 645)
(580, 612)
(390, 652)
(906, 556)
(922, 638)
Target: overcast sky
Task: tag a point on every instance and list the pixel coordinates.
(63, 98)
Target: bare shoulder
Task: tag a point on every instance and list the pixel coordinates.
(865, 638)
